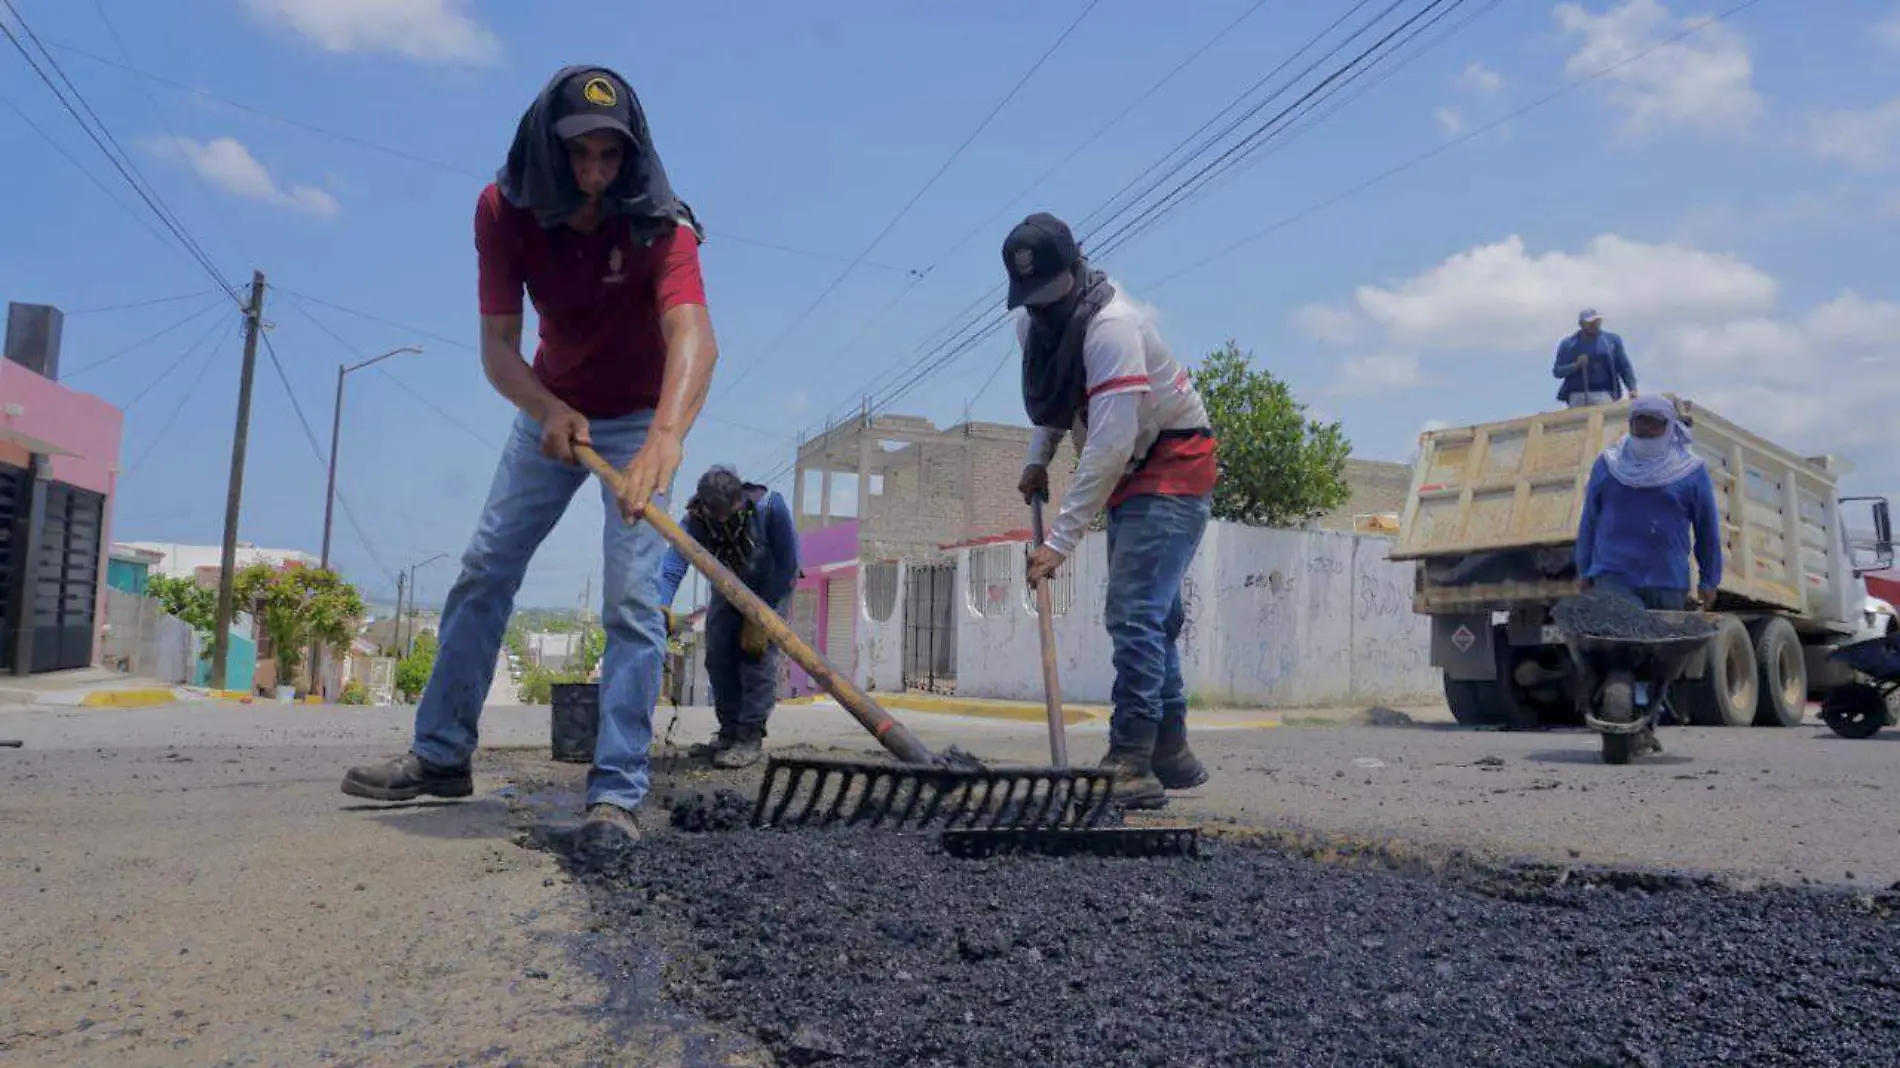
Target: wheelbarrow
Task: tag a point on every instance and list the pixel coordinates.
(1862, 707)
(1624, 671)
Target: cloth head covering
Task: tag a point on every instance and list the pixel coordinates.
(1650, 463)
(537, 177)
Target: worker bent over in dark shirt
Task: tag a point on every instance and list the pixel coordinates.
(749, 529)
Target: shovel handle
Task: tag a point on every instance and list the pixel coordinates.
(1046, 632)
(890, 733)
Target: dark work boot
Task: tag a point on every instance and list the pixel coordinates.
(1130, 755)
(603, 816)
(747, 746)
(710, 751)
(406, 778)
(1174, 763)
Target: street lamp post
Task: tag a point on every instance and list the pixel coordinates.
(336, 437)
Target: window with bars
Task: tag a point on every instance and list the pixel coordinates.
(880, 591)
(1061, 593)
(992, 571)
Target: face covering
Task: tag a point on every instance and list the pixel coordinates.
(1646, 448)
(732, 541)
(1055, 382)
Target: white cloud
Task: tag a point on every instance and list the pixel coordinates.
(1524, 301)
(1703, 81)
(1450, 120)
(1332, 325)
(1888, 32)
(228, 165)
(437, 31)
(1385, 372)
(1705, 325)
(1868, 139)
(1479, 78)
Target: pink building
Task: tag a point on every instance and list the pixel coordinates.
(825, 602)
(59, 467)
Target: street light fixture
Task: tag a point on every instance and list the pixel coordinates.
(336, 435)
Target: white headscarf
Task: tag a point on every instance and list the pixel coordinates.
(1649, 463)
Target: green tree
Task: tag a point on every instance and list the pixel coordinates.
(412, 671)
(1277, 467)
(591, 647)
(188, 601)
(536, 686)
(299, 606)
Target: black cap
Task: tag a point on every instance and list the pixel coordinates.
(593, 100)
(1040, 255)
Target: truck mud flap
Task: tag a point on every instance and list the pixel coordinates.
(1462, 646)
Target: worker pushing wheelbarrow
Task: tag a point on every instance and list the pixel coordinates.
(1626, 656)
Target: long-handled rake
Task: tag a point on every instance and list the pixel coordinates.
(952, 790)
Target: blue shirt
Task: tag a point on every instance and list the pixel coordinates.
(1609, 370)
(1639, 538)
(774, 564)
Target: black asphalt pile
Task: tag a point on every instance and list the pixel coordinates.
(1602, 615)
(876, 949)
(722, 810)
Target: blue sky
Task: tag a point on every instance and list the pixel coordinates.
(1730, 202)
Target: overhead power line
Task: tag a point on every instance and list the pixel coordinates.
(929, 183)
(1439, 150)
(217, 302)
(413, 157)
(184, 399)
(137, 304)
(173, 366)
(121, 162)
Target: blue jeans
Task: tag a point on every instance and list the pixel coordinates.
(744, 690)
(1151, 542)
(1654, 598)
(529, 495)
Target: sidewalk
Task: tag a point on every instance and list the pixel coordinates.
(91, 688)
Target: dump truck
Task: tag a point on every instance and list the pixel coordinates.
(1491, 524)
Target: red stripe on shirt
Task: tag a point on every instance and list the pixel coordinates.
(1177, 467)
(1113, 384)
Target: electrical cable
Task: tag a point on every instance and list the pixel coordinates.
(216, 303)
(955, 154)
(1439, 150)
(175, 364)
(184, 399)
(138, 304)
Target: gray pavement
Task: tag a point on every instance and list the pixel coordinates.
(185, 885)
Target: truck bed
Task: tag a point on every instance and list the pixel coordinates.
(1516, 488)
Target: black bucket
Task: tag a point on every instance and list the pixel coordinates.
(576, 720)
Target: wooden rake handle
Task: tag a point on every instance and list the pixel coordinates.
(893, 735)
(1046, 632)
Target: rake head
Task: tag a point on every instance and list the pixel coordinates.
(806, 792)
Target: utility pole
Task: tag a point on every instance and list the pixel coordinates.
(234, 496)
(395, 631)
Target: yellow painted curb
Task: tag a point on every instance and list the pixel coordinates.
(1021, 712)
(126, 698)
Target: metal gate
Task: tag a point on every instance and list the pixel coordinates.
(930, 628)
(65, 584)
(12, 520)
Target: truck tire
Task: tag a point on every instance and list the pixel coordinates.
(1726, 694)
(1477, 704)
(1782, 669)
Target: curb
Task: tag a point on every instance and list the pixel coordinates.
(149, 698)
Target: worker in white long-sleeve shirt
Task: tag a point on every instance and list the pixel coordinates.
(1094, 365)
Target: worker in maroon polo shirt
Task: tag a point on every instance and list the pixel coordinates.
(583, 218)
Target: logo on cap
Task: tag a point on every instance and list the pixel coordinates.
(600, 92)
(1025, 260)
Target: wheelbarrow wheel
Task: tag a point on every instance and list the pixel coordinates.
(1855, 711)
(1616, 702)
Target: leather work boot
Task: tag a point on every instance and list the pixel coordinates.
(744, 750)
(1174, 763)
(602, 816)
(1131, 754)
(406, 778)
(710, 751)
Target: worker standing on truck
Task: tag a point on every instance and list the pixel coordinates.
(1094, 364)
(1594, 368)
(581, 216)
(749, 529)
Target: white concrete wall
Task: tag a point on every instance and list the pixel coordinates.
(880, 643)
(142, 640)
(1275, 618)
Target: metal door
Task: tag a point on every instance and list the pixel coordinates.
(841, 624)
(12, 520)
(65, 584)
(930, 628)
